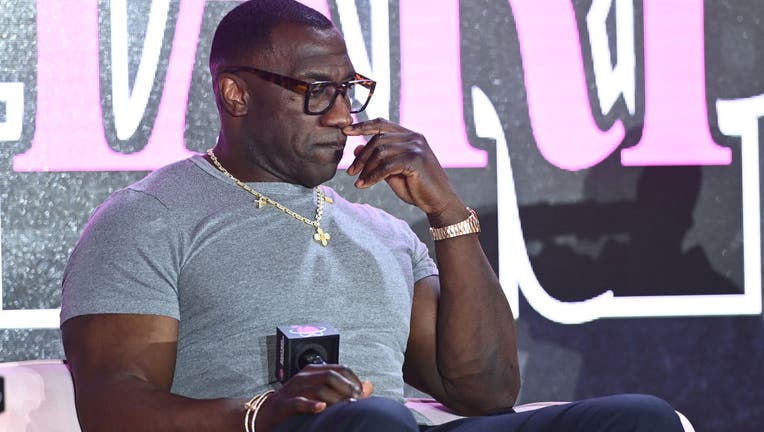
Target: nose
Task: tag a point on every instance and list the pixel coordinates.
(339, 114)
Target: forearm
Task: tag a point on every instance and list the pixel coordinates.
(130, 404)
(462, 346)
(476, 340)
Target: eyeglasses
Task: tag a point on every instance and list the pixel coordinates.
(320, 95)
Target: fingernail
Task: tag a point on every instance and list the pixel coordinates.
(359, 183)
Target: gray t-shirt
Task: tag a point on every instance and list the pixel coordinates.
(188, 243)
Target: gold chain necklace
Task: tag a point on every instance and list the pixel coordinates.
(321, 236)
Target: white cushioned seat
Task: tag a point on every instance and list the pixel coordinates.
(39, 397)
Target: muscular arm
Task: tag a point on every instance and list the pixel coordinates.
(123, 364)
(462, 348)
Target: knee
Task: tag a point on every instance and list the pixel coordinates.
(640, 412)
(374, 414)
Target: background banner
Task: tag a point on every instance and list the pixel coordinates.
(611, 148)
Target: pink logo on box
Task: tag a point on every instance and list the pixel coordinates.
(307, 330)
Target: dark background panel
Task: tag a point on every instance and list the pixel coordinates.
(642, 230)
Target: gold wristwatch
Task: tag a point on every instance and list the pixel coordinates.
(471, 225)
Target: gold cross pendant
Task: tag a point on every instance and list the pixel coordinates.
(321, 236)
(261, 202)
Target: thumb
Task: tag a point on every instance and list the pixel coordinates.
(367, 388)
(302, 405)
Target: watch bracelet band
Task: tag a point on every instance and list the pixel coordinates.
(471, 225)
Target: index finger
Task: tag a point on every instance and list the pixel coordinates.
(372, 127)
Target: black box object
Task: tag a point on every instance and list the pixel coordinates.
(299, 345)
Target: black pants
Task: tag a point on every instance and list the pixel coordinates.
(620, 413)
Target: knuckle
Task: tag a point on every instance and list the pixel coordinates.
(379, 150)
(339, 373)
(328, 374)
(332, 378)
(418, 151)
(418, 140)
(304, 374)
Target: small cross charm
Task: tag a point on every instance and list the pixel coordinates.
(321, 236)
(261, 202)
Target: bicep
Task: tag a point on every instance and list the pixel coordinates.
(103, 349)
(420, 364)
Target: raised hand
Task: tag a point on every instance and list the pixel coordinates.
(403, 159)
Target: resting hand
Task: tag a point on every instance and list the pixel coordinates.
(309, 392)
(403, 159)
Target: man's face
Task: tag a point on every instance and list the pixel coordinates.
(283, 142)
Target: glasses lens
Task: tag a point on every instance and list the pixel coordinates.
(358, 95)
(320, 96)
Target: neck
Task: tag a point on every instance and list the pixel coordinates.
(236, 161)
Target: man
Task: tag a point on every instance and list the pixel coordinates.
(178, 281)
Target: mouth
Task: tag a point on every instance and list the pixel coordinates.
(330, 152)
(332, 145)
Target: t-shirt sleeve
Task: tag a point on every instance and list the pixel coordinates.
(422, 264)
(126, 260)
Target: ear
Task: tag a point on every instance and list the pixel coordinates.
(233, 95)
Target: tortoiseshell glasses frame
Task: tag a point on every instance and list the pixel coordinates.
(319, 95)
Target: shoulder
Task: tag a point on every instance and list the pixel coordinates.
(168, 182)
(170, 188)
(147, 201)
(126, 219)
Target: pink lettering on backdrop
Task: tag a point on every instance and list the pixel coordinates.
(558, 102)
(69, 124)
(69, 134)
(676, 128)
(68, 113)
(431, 85)
(319, 5)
